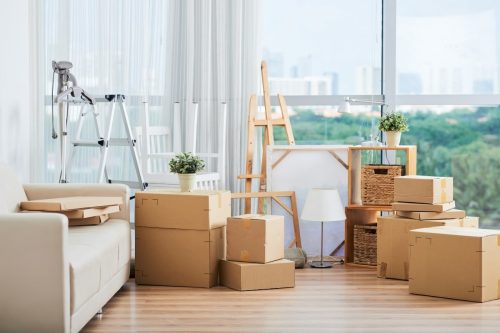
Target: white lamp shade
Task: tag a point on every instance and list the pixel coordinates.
(345, 107)
(323, 205)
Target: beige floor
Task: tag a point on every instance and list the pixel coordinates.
(342, 299)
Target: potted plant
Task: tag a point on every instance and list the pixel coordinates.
(186, 165)
(393, 124)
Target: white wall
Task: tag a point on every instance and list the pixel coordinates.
(15, 86)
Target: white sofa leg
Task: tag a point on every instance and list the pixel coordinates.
(100, 312)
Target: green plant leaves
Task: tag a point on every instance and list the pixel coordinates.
(185, 163)
(393, 122)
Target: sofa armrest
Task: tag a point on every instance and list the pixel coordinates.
(47, 191)
(34, 283)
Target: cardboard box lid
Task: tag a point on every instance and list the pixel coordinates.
(90, 212)
(423, 189)
(419, 207)
(258, 217)
(198, 210)
(70, 203)
(449, 214)
(457, 231)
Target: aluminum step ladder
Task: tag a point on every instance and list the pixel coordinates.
(104, 143)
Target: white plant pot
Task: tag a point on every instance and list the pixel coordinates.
(187, 182)
(393, 139)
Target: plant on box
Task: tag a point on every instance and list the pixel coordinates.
(186, 165)
(393, 124)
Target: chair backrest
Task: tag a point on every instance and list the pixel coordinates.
(207, 181)
(11, 190)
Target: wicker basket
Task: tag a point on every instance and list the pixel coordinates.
(365, 244)
(377, 183)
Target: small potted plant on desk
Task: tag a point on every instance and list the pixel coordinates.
(186, 165)
(393, 124)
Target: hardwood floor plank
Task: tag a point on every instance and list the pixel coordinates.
(342, 299)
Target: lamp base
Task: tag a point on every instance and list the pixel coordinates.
(319, 264)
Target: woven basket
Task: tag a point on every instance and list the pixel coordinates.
(365, 244)
(377, 183)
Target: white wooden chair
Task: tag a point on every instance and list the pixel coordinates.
(154, 154)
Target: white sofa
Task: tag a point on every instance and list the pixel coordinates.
(54, 278)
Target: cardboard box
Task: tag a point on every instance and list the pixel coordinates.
(176, 257)
(393, 234)
(450, 214)
(415, 207)
(255, 238)
(198, 210)
(90, 212)
(252, 276)
(423, 189)
(94, 220)
(70, 203)
(459, 263)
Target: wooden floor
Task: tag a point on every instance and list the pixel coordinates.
(342, 299)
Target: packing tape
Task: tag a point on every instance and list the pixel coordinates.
(247, 224)
(406, 270)
(498, 240)
(382, 272)
(244, 255)
(498, 289)
(444, 194)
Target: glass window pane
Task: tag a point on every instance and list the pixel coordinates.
(462, 142)
(448, 47)
(322, 47)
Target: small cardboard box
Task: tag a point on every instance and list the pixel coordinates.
(198, 210)
(252, 276)
(70, 203)
(393, 234)
(423, 189)
(176, 257)
(416, 207)
(256, 238)
(93, 220)
(450, 214)
(459, 263)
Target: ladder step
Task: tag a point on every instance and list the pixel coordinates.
(85, 143)
(119, 142)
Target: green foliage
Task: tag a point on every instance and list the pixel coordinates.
(393, 122)
(461, 143)
(185, 163)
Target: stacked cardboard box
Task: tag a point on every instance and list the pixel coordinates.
(422, 202)
(180, 237)
(255, 252)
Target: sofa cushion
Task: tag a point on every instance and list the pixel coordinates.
(96, 253)
(11, 191)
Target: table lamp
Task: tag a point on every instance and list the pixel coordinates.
(323, 205)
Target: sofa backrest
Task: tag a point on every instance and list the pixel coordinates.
(11, 190)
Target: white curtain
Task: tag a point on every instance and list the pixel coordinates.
(213, 58)
(202, 51)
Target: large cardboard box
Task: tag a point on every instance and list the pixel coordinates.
(256, 238)
(423, 189)
(176, 257)
(393, 234)
(252, 276)
(459, 263)
(198, 210)
(70, 203)
(450, 214)
(416, 207)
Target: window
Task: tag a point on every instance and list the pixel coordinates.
(448, 47)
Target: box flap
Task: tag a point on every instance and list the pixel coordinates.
(70, 203)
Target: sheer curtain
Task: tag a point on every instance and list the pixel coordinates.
(202, 51)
